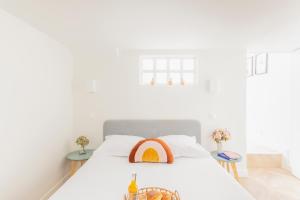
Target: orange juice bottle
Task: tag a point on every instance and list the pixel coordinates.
(133, 188)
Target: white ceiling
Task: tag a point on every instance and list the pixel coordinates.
(164, 24)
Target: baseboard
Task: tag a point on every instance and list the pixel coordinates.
(52, 190)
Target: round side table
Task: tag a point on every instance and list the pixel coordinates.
(76, 158)
(223, 162)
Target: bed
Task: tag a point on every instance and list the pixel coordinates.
(107, 177)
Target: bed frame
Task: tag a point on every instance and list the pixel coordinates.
(152, 128)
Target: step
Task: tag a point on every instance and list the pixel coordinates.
(264, 160)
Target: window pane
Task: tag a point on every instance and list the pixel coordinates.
(148, 64)
(161, 64)
(188, 78)
(167, 70)
(188, 64)
(147, 78)
(161, 78)
(175, 64)
(175, 77)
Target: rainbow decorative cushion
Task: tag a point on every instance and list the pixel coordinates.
(152, 151)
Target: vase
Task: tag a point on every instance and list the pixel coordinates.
(82, 151)
(219, 147)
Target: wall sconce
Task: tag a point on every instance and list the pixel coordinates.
(117, 51)
(92, 86)
(212, 86)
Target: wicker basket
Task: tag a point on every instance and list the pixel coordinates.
(174, 195)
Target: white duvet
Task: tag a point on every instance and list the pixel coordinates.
(106, 177)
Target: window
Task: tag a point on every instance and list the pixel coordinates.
(167, 70)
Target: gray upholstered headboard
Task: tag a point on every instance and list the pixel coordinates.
(152, 128)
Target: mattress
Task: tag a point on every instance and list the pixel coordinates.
(106, 177)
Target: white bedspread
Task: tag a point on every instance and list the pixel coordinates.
(105, 177)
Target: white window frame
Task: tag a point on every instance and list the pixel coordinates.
(168, 71)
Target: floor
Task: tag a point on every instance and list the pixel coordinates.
(272, 184)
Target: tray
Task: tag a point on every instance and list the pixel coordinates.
(174, 195)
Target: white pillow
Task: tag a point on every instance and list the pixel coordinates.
(120, 145)
(184, 146)
(179, 139)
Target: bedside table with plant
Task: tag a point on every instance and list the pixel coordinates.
(79, 157)
(225, 158)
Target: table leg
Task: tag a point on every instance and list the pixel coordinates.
(82, 162)
(236, 175)
(227, 167)
(73, 168)
(223, 164)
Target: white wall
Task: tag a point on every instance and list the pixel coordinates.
(119, 95)
(295, 102)
(273, 109)
(268, 107)
(35, 110)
